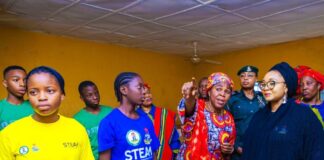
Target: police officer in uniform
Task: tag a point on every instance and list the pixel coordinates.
(243, 104)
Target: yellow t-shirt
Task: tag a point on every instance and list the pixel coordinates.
(27, 139)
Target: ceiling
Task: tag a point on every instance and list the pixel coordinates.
(169, 26)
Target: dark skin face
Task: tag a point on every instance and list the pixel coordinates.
(148, 98)
(248, 80)
(15, 83)
(133, 91)
(309, 88)
(219, 95)
(45, 95)
(202, 89)
(90, 96)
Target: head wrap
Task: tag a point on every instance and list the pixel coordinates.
(290, 76)
(248, 68)
(219, 77)
(307, 71)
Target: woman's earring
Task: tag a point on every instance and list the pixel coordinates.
(284, 99)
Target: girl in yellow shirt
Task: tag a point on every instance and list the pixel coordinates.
(46, 134)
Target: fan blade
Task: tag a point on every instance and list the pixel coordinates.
(212, 61)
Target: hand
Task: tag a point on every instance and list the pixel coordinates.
(227, 148)
(239, 150)
(190, 92)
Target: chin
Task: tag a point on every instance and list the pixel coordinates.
(44, 114)
(219, 107)
(268, 99)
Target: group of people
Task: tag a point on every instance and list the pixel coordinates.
(281, 122)
(34, 129)
(284, 121)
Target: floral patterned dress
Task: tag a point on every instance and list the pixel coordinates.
(204, 132)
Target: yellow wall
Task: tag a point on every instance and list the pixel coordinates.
(308, 52)
(79, 60)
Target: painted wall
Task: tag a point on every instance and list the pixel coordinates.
(308, 52)
(79, 60)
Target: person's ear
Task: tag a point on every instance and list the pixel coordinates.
(62, 97)
(5, 83)
(82, 99)
(123, 90)
(286, 89)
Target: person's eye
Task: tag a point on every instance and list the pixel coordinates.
(50, 91)
(32, 93)
(272, 83)
(228, 91)
(218, 89)
(309, 83)
(15, 80)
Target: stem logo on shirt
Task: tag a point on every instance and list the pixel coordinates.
(23, 150)
(133, 137)
(147, 137)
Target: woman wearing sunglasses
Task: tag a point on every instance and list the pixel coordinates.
(284, 130)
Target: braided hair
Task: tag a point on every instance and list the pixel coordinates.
(122, 79)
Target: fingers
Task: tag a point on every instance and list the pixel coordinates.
(194, 88)
(193, 80)
(227, 148)
(189, 89)
(186, 88)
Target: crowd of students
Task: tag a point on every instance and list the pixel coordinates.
(284, 121)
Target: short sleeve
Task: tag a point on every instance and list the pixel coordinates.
(6, 151)
(175, 141)
(86, 152)
(106, 135)
(155, 140)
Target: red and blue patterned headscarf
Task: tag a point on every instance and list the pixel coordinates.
(219, 77)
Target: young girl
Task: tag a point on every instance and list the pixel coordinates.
(45, 134)
(124, 134)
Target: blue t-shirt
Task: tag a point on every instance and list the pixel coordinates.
(128, 139)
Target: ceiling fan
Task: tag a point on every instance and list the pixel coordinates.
(195, 59)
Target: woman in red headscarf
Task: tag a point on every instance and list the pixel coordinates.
(208, 129)
(311, 83)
